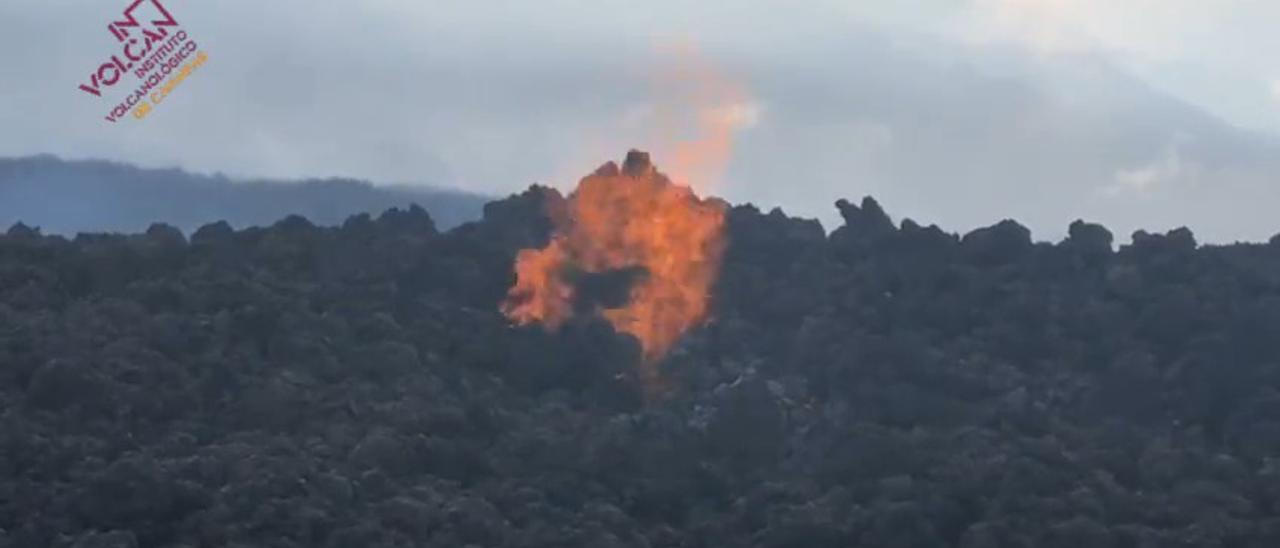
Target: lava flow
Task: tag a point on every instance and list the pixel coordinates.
(628, 219)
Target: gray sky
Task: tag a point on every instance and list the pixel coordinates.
(1134, 113)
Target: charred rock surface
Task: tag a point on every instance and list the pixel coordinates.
(887, 385)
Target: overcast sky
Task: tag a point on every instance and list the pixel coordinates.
(1135, 113)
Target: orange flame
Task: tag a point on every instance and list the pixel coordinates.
(637, 217)
(621, 219)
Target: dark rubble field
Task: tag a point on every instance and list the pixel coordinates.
(886, 385)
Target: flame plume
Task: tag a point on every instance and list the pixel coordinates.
(633, 217)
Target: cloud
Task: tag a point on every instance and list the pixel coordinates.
(738, 115)
(1205, 53)
(1158, 29)
(1045, 25)
(1165, 169)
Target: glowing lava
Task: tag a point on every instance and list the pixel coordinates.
(627, 218)
(635, 224)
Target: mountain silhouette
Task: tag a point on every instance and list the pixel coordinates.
(67, 197)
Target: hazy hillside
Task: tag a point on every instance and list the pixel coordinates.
(66, 197)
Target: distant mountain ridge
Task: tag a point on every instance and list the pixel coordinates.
(70, 196)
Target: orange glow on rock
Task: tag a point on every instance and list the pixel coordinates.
(626, 218)
(636, 218)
